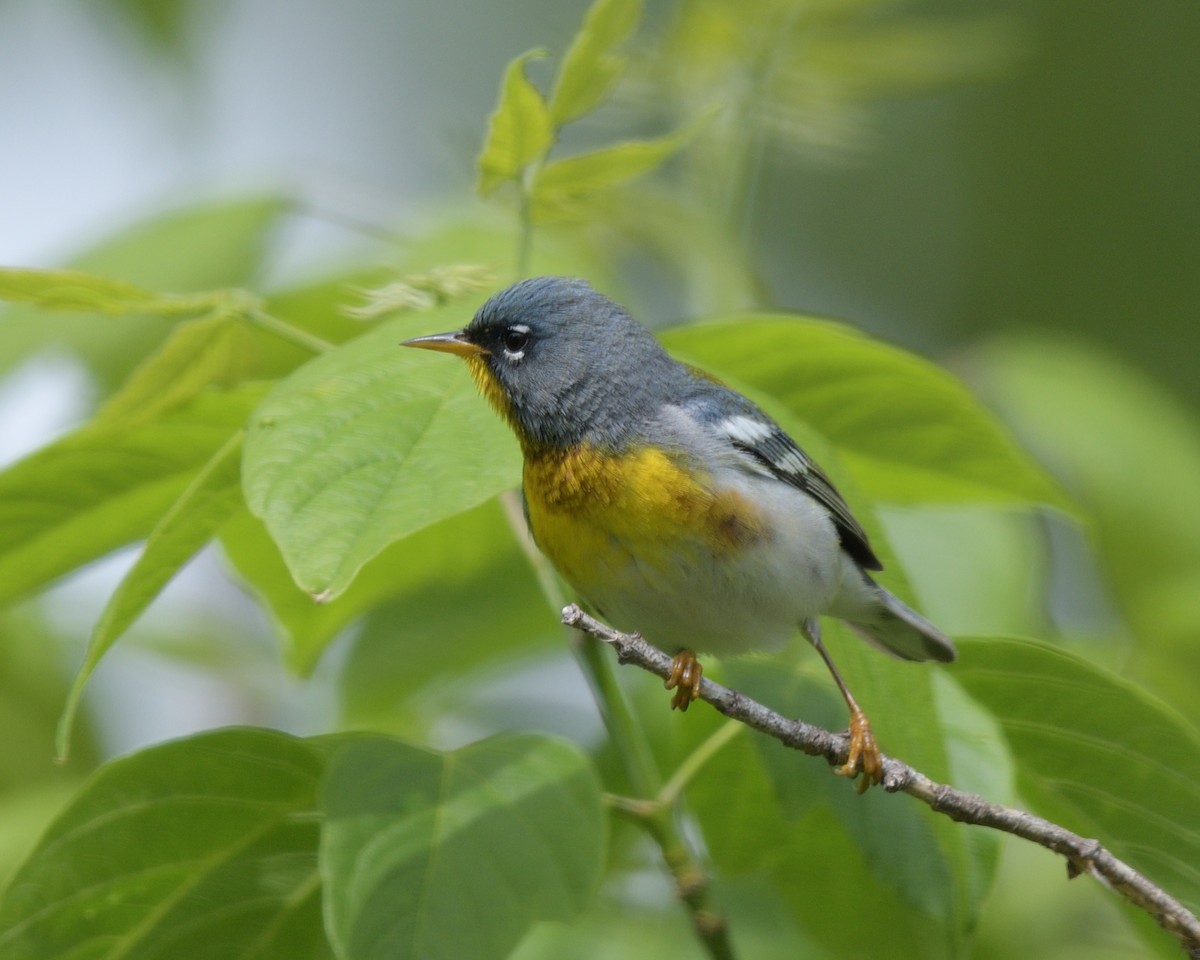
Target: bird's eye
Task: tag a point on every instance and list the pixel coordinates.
(515, 338)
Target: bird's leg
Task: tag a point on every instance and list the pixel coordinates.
(864, 753)
(686, 673)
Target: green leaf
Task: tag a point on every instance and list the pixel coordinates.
(101, 488)
(75, 290)
(1096, 754)
(462, 586)
(979, 762)
(207, 247)
(1049, 386)
(907, 431)
(368, 444)
(1137, 477)
(504, 832)
(898, 841)
(810, 858)
(564, 185)
(590, 67)
(32, 688)
(304, 627)
(519, 129)
(740, 806)
(837, 899)
(642, 927)
(197, 848)
(191, 522)
(26, 810)
(979, 568)
(413, 595)
(208, 351)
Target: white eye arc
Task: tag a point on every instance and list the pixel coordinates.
(514, 339)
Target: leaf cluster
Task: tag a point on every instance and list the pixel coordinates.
(526, 125)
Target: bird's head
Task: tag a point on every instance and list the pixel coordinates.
(557, 359)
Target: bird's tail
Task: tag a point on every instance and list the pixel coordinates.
(898, 629)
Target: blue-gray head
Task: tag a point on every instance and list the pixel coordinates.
(561, 362)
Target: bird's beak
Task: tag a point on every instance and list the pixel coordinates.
(456, 342)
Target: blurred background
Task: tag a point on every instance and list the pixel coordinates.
(1009, 187)
(1054, 187)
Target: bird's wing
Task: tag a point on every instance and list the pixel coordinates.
(764, 447)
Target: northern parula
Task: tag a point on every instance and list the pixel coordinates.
(670, 502)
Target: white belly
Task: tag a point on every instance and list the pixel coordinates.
(752, 599)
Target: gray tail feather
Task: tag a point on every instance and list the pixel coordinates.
(901, 631)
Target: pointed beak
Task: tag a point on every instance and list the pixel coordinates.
(456, 342)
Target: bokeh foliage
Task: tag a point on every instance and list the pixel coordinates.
(359, 493)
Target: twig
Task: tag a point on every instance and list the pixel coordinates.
(288, 332)
(1083, 855)
(695, 762)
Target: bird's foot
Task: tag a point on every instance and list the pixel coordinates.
(864, 756)
(686, 673)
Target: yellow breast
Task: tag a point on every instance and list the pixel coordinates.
(601, 517)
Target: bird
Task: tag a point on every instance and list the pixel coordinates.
(670, 502)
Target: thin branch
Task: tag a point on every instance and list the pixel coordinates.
(696, 761)
(1082, 855)
(288, 332)
(692, 885)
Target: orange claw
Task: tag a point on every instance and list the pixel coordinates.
(864, 754)
(686, 673)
